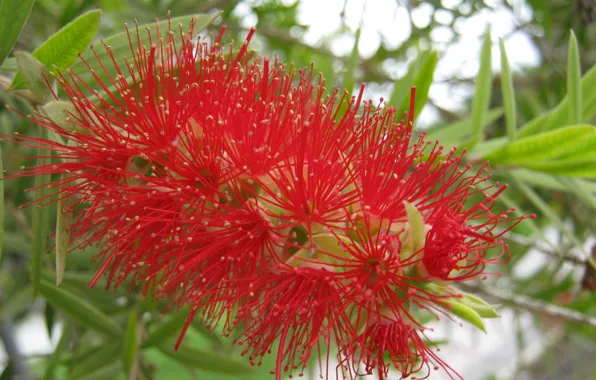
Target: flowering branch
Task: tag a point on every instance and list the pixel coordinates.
(533, 305)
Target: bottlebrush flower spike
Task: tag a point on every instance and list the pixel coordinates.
(237, 187)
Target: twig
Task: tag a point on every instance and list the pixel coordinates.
(536, 306)
(556, 253)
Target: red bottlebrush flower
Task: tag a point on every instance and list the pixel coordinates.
(237, 187)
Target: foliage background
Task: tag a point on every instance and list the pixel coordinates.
(549, 288)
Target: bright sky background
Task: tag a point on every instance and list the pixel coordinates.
(473, 354)
(387, 21)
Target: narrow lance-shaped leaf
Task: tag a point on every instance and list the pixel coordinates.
(166, 330)
(483, 87)
(78, 309)
(484, 309)
(98, 359)
(559, 116)
(35, 76)
(63, 345)
(37, 243)
(464, 312)
(13, 15)
(422, 82)
(544, 146)
(64, 220)
(197, 358)
(130, 346)
(416, 226)
(508, 93)
(574, 89)
(585, 168)
(544, 208)
(63, 48)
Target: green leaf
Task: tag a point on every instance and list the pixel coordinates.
(197, 358)
(13, 304)
(585, 168)
(424, 78)
(508, 94)
(61, 113)
(64, 220)
(452, 134)
(166, 330)
(574, 90)
(130, 346)
(484, 309)
(544, 146)
(464, 312)
(119, 45)
(79, 310)
(580, 189)
(543, 207)
(38, 239)
(416, 226)
(35, 75)
(559, 116)
(100, 367)
(63, 48)
(13, 15)
(483, 87)
(62, 347)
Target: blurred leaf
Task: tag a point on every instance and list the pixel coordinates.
(13, 303)
(547, 181)
(574, 90)
(13, 15)
(558, 117)
(528, 223)
(464, 312)
(483, 87)
(16, 243)
(63, 48)
(585, 168)
(197, 358)
(108, 353)
(543, 146)
(49, 314)
(452, 134)
(166, 330)
(119, 48)
(60, 112)
(422, 82)
(580, 190)
(110, 371)
(79, 310)
(544, 208)
(63, 346)
(130, 345)
(37, 243)
(35, 75)
(64, 220)
(508, 93)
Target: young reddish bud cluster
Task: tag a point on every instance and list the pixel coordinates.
(308, 223)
